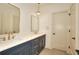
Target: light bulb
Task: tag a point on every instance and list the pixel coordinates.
(38, 12)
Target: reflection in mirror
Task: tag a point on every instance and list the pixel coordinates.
(9, 18)
(35, 24)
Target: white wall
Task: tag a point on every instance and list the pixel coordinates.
(77, 26)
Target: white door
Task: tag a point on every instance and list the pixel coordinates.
(61, 30)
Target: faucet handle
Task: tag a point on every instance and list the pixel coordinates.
(4, 38)
(5, 32)
(12, 35)
(9, 35)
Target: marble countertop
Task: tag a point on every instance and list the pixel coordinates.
(19, 39)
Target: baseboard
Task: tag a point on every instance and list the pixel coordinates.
(59, 49)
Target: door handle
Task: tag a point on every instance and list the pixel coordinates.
(73, 38)
(69, 30)
(53, 33)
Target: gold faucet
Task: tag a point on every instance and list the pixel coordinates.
(9, 35)
(12, 35)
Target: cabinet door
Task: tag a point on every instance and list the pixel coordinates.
(43, 38)
(24, 50)
(35, 46)
(42, 42)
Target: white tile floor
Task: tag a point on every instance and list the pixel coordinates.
(52, 52)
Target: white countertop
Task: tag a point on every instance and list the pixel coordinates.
(19, 39)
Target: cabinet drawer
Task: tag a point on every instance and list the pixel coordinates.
(35, 42)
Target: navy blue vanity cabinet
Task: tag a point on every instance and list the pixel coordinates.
(32, 47)
(22, 49)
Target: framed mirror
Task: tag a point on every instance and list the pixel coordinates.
(9, 18)
(35, 24)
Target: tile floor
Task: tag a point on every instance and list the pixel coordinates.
(53, 52)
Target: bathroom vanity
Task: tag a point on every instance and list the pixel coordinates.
(20, 44)
(29, 45)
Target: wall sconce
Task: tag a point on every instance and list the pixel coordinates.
(38, 9)
(35, 20)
